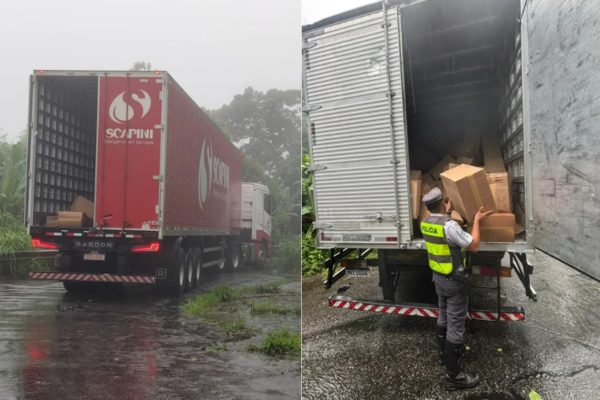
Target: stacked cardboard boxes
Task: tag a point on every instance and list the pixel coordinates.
(80, 215)
(469, 188)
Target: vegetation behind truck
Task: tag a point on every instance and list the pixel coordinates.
(384, 79)
(163, 181)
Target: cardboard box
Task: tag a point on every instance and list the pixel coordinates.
(468, 188)
(441, 166)
(416, 190)
(500, 187)
(455, 215)
(424, 214)
(52, 221)
(494, 165)
(498, 227)
(428, 182)
(72, 219)
(492, 155)
(520, 222)
(81, 204)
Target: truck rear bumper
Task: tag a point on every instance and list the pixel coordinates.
(422, 310)
(79, 277)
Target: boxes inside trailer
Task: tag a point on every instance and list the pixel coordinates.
(65, 145)
(463, 104)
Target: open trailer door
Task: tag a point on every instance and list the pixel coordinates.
(128, 162)
(562, 108)
(353, 95)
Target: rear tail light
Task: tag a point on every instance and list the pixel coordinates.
(153, 247)
(40, 244)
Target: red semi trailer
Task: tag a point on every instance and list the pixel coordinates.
(161, 181)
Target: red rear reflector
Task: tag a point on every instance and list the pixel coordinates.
(40, 244)
(146, 248)
(391, 239)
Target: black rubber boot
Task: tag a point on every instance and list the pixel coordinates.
(455, 378)
(441, 339)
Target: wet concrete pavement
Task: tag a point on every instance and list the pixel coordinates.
(555, 351)
(132, 344)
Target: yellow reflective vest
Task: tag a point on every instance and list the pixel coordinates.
(442, 257)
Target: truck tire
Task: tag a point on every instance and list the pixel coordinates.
(223, 260)
(233, 258)
(197, 265)
(189, 269)
(176, 276)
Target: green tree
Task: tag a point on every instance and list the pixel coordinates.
(141, 66)
(12, 176)
(266, 128)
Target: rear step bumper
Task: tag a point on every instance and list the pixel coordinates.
(68, 276)
(422, 310)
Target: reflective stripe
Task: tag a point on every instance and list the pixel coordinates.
(434, 239)
(441, 259)
(437, 249)
(435, 230)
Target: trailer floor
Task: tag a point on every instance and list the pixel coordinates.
(554, 352)
(134, 345)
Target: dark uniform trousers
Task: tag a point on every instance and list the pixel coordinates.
(453, 303)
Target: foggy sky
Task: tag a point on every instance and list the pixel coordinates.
(315, 10)
(213, 48)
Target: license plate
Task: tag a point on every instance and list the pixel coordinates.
(356, 237)
(83, 244)
(94, 256)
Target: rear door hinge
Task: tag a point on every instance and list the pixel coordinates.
(321, 225)
(308, 45)
(310, 108)
(316, 167)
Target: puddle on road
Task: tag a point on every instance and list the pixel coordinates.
(131, 344)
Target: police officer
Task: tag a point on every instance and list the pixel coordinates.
(446, 243)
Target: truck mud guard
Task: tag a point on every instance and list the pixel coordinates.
(73, 276)
(422, 310)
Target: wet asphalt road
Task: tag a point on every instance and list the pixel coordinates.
(133, 344)
(555, 351)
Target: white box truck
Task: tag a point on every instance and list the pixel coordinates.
(386, 80)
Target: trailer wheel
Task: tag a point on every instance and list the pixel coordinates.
(197, 265)
(233, 258)
(223, 260)
(189, 269)
(176, 276)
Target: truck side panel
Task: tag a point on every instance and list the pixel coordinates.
(565, 114)
(129, 120)
(354, 94)
(203, 172)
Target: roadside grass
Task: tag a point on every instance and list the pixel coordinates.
(223, 307)
(208, 301)
(279, 342)
(271, 308)
(265, 288)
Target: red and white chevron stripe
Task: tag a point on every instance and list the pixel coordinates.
(419, 311)
(66, 276)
